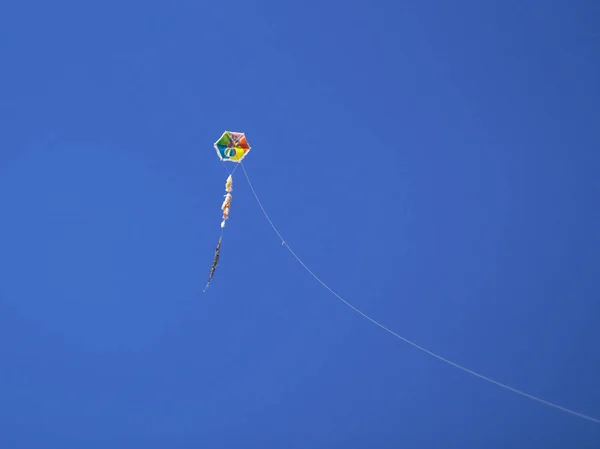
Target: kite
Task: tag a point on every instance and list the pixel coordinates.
(231, 147)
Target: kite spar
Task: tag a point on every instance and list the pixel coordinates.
(231, 147)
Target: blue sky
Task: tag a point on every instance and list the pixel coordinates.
(434, 162)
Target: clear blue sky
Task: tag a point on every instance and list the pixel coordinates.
(434, 162)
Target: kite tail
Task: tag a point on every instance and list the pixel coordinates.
(215, 262)
(227, 202)
(225, 207)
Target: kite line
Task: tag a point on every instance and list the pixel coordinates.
(406, 340)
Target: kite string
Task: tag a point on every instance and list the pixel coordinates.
(415, 345)
(231, 172)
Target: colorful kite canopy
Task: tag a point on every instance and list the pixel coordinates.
(232, 146)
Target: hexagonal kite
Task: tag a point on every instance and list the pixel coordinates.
(231, 147)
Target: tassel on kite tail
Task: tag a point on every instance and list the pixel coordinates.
(225, 208)
(227, 202)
